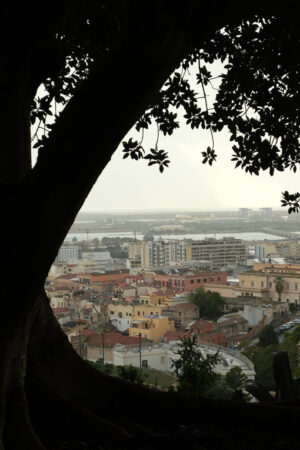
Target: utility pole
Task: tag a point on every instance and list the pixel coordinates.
(103, 346)
(140, 351)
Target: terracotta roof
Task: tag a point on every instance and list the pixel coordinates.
(67, 276)
(111, 339)
(228, 323)
(81, 321)
(87, 332)
(185, 306)
(175, 335)
(200, 323)
(60, 310)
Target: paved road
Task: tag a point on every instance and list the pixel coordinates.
(281, 334)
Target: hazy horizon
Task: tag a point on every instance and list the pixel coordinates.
(187, 184)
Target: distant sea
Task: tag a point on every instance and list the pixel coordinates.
(197, 236)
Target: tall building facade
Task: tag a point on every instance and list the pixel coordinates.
(259, 251)
(69, 254)
(159, 253)
(219, 252)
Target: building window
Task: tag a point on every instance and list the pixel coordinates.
(204, 280)
(111, 312)
(219, 278)
(139, 313)
(296, 286)
(211, 279)
(145, 364)
(287, 286)
(179, 314)
(252, 283)
(151, 313)
(198, 280)
(243, 283)
(270, 284)
(192, 281)
(262, 284)
(162, 359)
(288, 300)
(182, 283)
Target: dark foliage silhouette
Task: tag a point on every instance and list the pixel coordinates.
(102, 65)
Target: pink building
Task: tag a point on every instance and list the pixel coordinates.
(189, 283)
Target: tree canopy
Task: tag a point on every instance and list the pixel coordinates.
(279, 286)
(82, 75)
(195, 372)
(210, 304)
(267, 336)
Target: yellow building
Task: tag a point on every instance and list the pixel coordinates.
(152, 328)
(224, 290)
(261, 282)
(120, 310)
(154, 299)
(148, 310)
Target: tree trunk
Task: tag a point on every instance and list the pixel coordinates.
(48, 395)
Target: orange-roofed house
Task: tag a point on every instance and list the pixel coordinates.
(96, 342)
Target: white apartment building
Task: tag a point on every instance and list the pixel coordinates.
(97, 256)
(69, 254)
(162, 253)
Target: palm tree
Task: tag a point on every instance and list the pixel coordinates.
(279, 285)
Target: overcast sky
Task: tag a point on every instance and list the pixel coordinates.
(187, 183)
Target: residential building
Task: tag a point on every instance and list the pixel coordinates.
(261, 282)
(253, 314)
(161, 253)
(99, 256)
(100, 346)
(219, 252)
(151, 327)
(135, 250)
(156, 298)
(266, 212)
(244, 213)
(225, 333)
(190, 281)
(259, 252)
(120, 315)
(182, 314)
(98, 278)
(69, 254)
